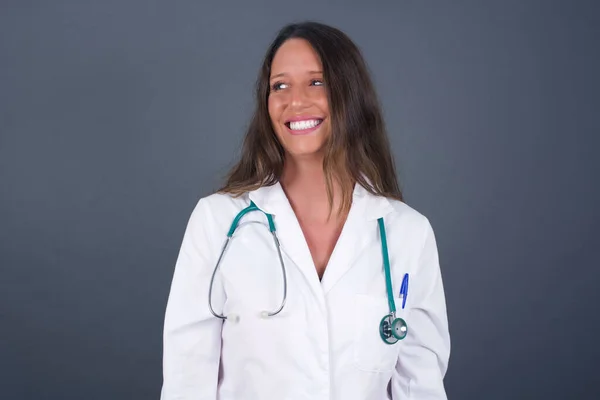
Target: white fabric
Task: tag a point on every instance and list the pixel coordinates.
(325, 344)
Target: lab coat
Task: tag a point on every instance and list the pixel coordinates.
(325, 343)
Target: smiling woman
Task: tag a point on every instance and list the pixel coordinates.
(327, 245)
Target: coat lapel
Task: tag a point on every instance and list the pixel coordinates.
(357, 233)
(272, 200)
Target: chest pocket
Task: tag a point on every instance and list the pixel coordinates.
(370, 352)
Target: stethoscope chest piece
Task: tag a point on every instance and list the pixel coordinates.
(392, 329)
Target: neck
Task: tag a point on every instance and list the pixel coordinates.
(304, 174)
(304, 178)
(303, 181)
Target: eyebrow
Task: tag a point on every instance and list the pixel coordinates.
(284, 74)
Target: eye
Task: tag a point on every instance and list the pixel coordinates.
(278, 86)
(316, 82)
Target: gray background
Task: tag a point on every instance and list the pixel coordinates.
(116, 116)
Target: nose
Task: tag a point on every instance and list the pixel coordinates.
(298, 97)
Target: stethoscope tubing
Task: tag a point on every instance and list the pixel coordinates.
(386, 268)
(234, 225)
(391, 328)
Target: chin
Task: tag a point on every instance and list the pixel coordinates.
(305, 147)
(302, 153)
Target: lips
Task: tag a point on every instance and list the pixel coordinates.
(303, 125)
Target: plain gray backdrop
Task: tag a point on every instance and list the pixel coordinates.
(117, 116)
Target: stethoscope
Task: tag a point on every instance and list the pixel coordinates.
(391, 328)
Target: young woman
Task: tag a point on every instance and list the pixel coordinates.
(328, 286)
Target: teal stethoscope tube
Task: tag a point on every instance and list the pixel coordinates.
(234, 225)
(391, 329)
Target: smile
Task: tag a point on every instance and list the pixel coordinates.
(303, 126)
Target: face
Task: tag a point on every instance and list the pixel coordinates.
(298, 104)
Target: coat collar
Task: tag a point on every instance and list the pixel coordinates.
(272, 200)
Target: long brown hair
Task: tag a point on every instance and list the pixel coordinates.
(356, 152)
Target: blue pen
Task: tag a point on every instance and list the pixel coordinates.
(404, 290)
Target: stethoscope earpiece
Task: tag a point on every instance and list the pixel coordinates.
(233, 318)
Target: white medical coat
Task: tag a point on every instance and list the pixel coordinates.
(325, 343)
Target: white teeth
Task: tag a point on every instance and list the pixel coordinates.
(307, 124)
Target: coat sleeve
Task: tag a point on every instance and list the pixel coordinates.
(192, 335)
(423, 358)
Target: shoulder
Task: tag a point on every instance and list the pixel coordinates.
(222, 202)
(408, 230)
(215, 212)
(406, 217)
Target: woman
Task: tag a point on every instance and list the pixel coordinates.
(316, 161)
